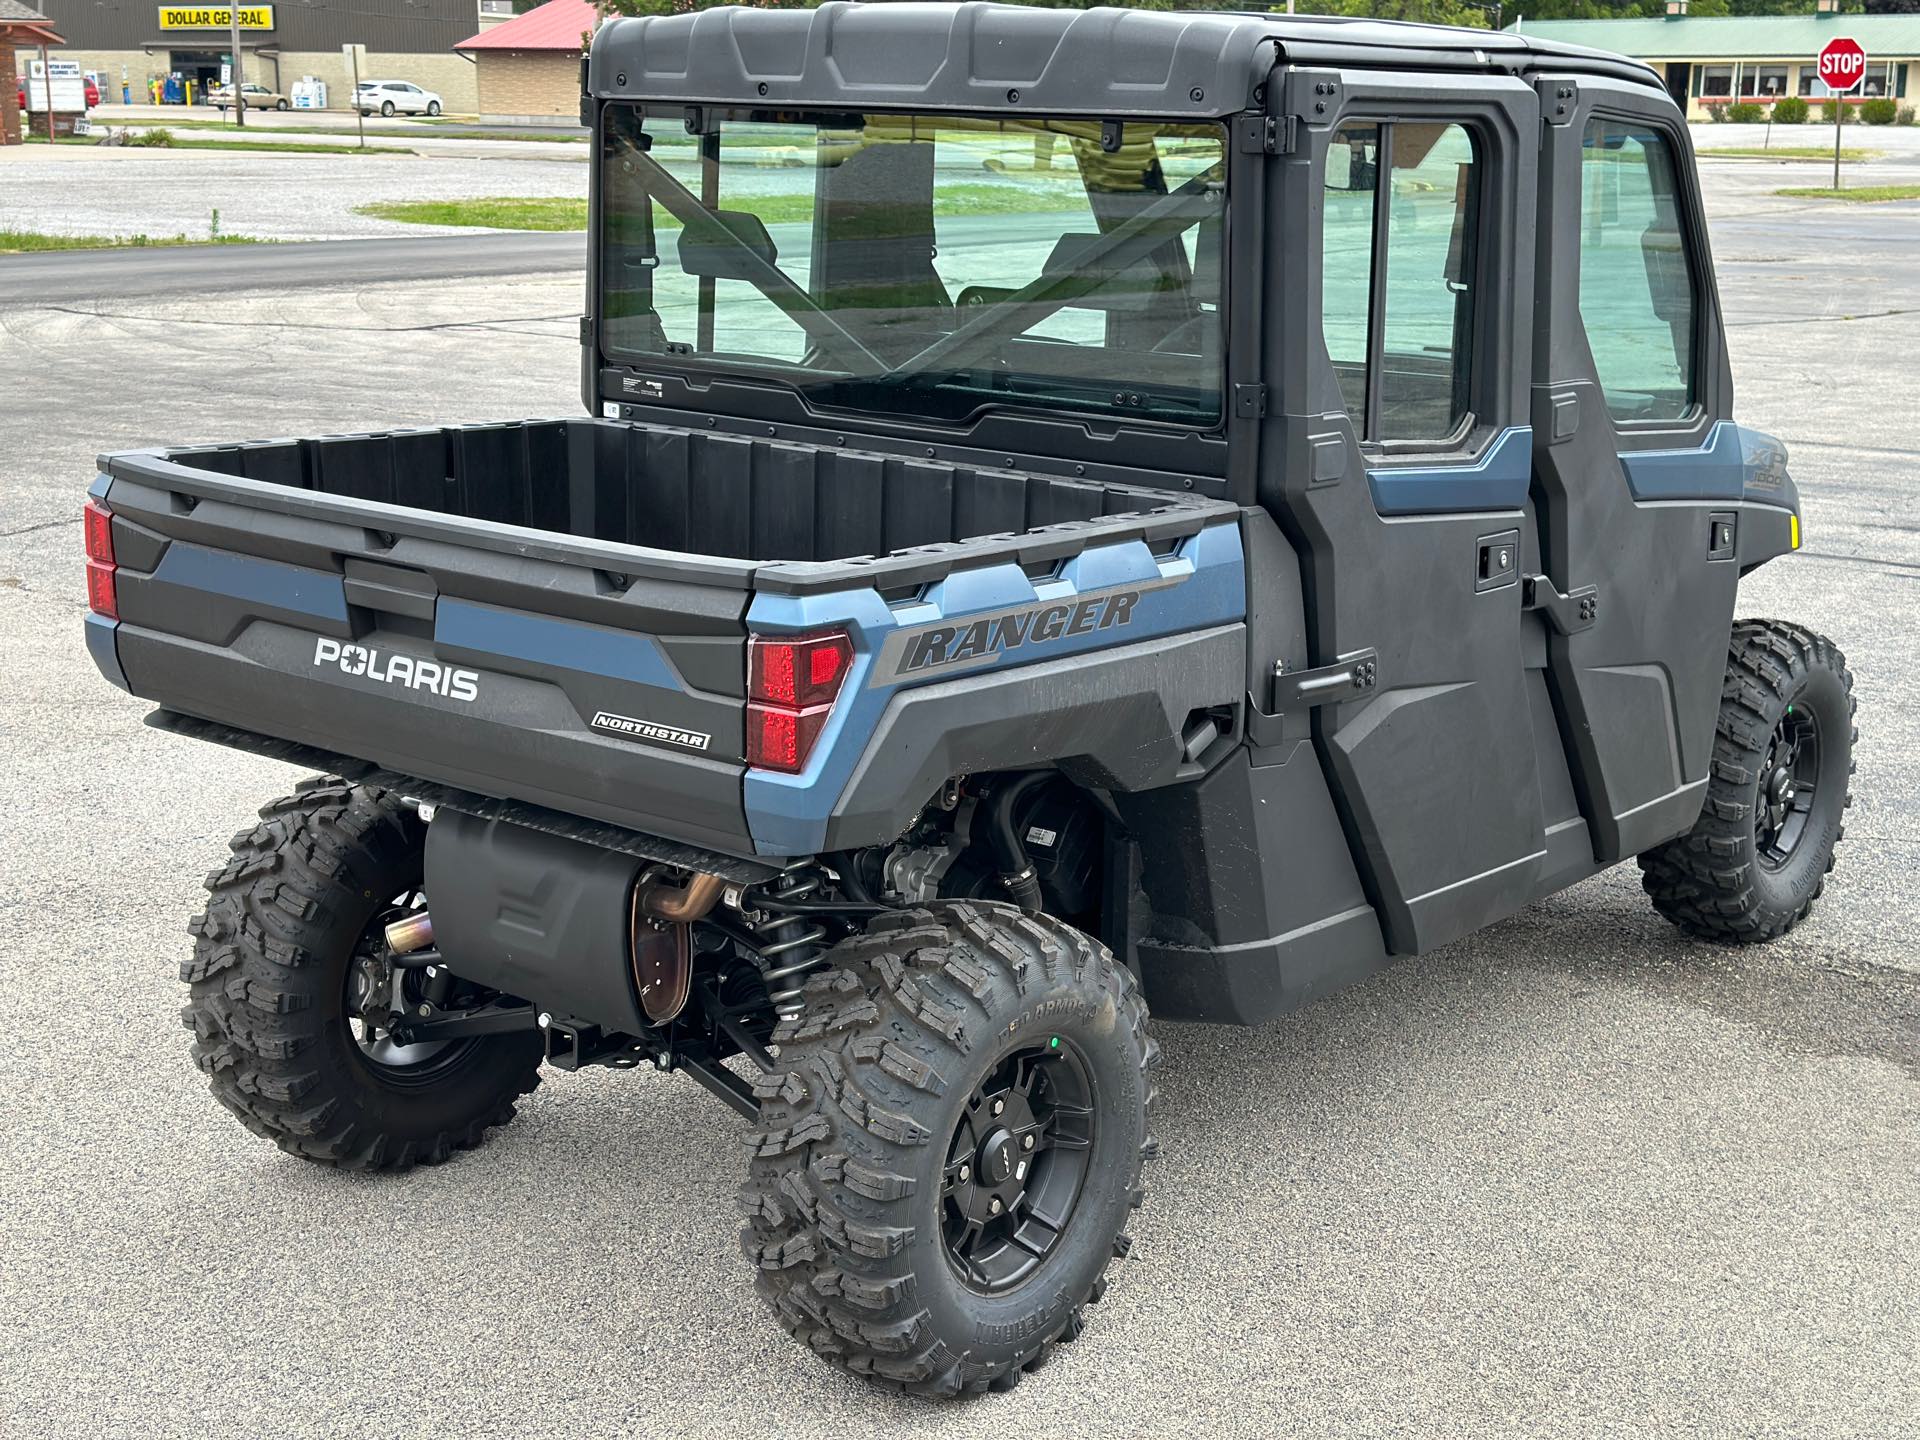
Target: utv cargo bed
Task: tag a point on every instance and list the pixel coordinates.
(556, 612)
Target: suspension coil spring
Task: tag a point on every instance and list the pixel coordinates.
(789, 947)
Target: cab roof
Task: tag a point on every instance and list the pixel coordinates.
(977, 56)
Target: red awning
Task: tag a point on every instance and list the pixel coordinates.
(556, 25)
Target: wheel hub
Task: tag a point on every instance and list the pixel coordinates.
(1787, 782)
(1016, 1165)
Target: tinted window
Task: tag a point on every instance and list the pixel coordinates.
(1636, 277)
(1400, 218)
(930, 266)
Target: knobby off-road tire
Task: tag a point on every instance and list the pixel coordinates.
(887, 1076)
(268, 984)
(1758, 856)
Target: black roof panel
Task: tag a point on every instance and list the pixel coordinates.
(978, 56)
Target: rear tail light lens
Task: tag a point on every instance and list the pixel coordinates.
(792, 682)
(100, 567)
(797, 670)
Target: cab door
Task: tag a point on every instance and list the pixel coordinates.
(1637, 464)
(1399, 299)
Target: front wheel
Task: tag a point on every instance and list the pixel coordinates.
(292, 994)
(949, 1146)
(1778, 789)
(433, 107)
(281, 105)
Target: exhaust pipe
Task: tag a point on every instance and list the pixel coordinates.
(663, 917)
(410, 933)
(677, 905)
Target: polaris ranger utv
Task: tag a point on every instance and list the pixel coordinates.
(1079, 511)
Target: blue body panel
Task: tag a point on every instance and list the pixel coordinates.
(288, 588)
(545, 640)
(1715, 470)
(105, 653)
(1203, 583)
(1496, 481)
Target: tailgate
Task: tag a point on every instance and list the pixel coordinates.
(596, 678)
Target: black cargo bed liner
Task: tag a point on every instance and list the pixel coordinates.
(680, 503)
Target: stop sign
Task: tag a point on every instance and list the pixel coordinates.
(1843, 64)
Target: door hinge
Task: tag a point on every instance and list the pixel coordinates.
(1559, 99)
(1265, 135)
(1349, 678)
(1250, 402)
(1574, 611)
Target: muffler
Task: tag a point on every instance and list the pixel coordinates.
(569, 927)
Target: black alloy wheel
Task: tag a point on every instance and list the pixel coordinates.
(1016, 1165)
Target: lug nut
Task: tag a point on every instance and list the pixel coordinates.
(546, 1020)
(999, 1106)
(993, 1206)
(426, 1010)
(1027, 1144)
(966, 1173)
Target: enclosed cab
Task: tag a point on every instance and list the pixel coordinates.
(1078, 512)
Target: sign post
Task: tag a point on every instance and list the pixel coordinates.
(354, 54)
(235, 91)
(1842, 66)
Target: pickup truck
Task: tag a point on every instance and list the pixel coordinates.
(1075, 511)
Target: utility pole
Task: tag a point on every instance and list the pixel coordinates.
(234, 93)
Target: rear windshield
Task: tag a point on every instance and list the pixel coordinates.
(931, 266)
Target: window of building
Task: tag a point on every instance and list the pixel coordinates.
(1636, 273)
(1716, 80)
(1764, 81)
(1398, 259)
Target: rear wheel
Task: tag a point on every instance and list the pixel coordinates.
(386, 108)
(949, 1146)
(292, 995)
(1777, 792)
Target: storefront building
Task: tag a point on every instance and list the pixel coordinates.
(1710, 61)
(135, 44)
(529, 67)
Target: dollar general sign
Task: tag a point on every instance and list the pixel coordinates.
(215, 17)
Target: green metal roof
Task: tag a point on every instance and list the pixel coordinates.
(1735, 37)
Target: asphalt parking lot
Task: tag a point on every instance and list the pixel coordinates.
(1574, 1175)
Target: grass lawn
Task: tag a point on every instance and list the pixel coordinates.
(1860, 194)
(16, 242)
(566, 212)
(1786, 152)
(284, 147)
(374, 128)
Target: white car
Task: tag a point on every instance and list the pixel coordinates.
(394, 97)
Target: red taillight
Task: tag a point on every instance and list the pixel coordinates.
(797, 670)
(100, 566)
(792, 682)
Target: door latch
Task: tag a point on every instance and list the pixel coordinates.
(1569, 613)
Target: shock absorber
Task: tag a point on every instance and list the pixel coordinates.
(789, 945)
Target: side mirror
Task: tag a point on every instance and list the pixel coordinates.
(726, 247)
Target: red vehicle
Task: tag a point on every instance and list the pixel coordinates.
(93, 95)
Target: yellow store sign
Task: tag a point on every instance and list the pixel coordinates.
(215, 17)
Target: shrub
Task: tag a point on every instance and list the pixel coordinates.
(1879, 111)
(1905, 117)
(1744, 112)
(1715, 113)
(1829, 106)
(159, 135)
(1791, 111)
